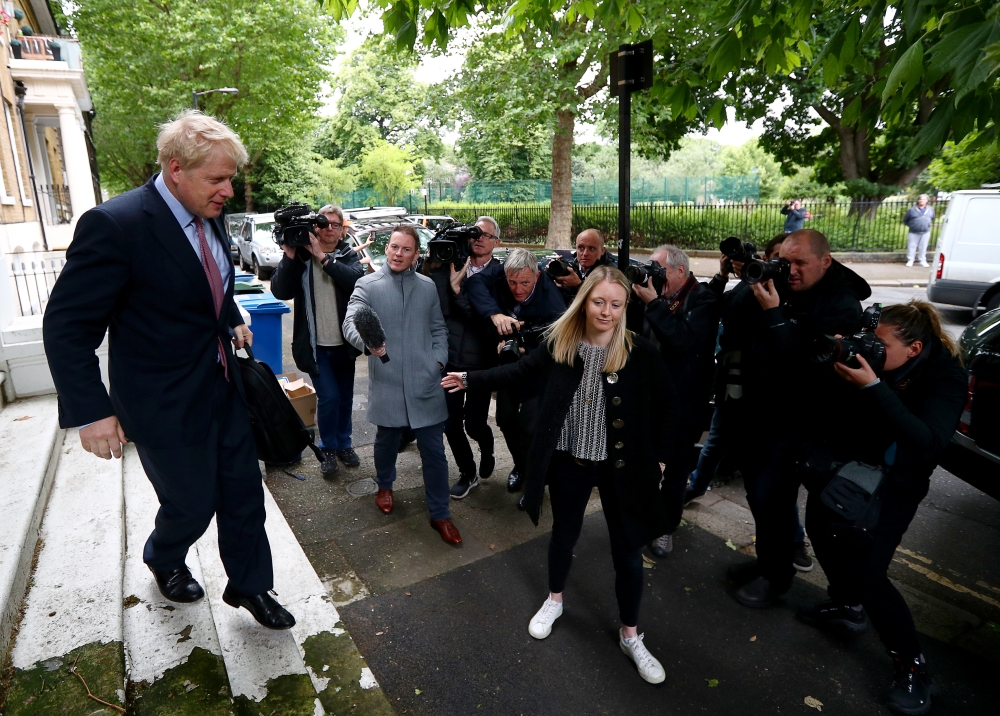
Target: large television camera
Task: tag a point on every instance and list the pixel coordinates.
(755, 269)
(295, 222)
(865, 343)
(451, 244)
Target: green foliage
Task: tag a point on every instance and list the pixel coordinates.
(273, 51)
(389, 170)
(960, 167)
(751, 158)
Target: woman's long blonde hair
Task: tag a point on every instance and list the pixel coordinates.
(564, 336)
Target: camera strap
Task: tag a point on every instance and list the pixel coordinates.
(677, 300)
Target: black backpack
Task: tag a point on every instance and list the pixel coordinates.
(277, 428)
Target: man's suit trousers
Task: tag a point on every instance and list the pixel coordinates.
(218, 476)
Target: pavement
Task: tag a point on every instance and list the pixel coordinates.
(444, 629)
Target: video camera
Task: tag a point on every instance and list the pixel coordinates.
(294, 223)
(830, 349)
(450, 244)
(520, 338)
(755, 269)
(642, 273)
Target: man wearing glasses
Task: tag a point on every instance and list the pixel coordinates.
(320, 278)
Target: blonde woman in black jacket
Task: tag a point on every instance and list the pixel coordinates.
(604, 419)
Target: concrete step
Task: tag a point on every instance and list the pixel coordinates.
(29, 435)
(73, 611)
(172, 654)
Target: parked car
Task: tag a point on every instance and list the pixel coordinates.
(434, 223)
(974, 452)
(258, 252)
(378, 232)
(376, 214)
(966, 270)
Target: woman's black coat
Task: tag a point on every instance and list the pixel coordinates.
(641, 412)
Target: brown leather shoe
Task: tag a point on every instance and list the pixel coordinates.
(384, 501)
(449, 532)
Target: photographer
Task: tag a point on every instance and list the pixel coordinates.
(604, 419)
(320, 278)
(471, 346)
(590, 252)
(518, 299)
(820, 296)
(683, 316)
(903, 419)
(795, 215)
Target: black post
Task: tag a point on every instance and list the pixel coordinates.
(624, 176)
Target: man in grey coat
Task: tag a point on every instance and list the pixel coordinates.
(919, 219)
(406, 391)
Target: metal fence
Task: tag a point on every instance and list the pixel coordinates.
(861, 226)
(33, 275)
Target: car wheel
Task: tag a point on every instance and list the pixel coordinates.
(258, 272)
(243, 264)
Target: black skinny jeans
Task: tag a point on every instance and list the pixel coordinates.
(570, 485)
(467, 414)
(857, 563)
(510, 422)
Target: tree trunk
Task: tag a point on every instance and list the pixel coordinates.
(248, 195)
(561, 210)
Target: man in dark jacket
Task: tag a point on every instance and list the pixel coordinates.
(321, 294)
(471, 346)
(683, 318)
(795, 215)
(590, 252)
(516, 297)
(821, 296)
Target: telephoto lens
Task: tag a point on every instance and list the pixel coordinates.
(636, 273)
(736, 250)
(557, 268)
(755, 270)
(830, 349)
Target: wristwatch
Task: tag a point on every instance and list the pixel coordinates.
(465, 380)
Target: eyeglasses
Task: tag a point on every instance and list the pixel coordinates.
(335, 226)
(488, 237)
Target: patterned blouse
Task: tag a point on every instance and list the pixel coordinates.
(584, 434)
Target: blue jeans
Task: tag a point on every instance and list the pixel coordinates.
(434, 464)
(334, 384)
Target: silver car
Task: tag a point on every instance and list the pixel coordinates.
(258, 252)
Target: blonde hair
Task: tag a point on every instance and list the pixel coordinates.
(917, 321)
(564, 336)
(190, 138)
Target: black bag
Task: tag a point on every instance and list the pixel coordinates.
(277, 429)
(854, 493)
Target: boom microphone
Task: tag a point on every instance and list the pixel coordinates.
(370, 329)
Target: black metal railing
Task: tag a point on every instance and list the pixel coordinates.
(850, 226)
(58, 208)
(33, 275)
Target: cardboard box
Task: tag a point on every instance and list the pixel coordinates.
(301, 395)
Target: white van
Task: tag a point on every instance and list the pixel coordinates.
(966, 270)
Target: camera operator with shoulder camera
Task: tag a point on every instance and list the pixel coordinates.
(812, 295)
(903, 416)
(471, 346)
(522, 302)
(320, 277)
(683, 319)
(590, 252)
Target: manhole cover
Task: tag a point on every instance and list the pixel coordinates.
(360, 488)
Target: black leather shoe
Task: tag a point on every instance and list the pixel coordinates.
(831, 614)
(178, 585)
(757, 594)
(265, 610)
(514, 481)
(912, 686)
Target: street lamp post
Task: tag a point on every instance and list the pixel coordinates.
(224, 90)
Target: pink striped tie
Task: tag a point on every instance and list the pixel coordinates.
(214, 282)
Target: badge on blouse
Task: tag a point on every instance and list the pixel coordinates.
(612, 378)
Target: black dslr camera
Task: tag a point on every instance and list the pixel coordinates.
(294, 223)
(524, 337)
(642, 273)
(558, 267)
(450, 244)
(755, 269)
(830, 349)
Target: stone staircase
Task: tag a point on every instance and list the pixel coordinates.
(80, 613)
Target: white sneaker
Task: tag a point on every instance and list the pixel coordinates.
(649, 668)
(540, 625)
(925, 264)
(910, 262)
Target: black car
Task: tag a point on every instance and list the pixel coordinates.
(974, 452)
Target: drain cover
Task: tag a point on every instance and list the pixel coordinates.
(360, 488)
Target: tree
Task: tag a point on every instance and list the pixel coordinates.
(272, 51)
(389, 170)
(960, 167)
(751, 158)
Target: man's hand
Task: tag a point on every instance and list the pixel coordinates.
(505, 325)
(241, 335)
(767, 294)
(458, 276)
(377, 352)
(860, 376)
(289, 251)
(104, 438)
(737, 268)
(647, 293)
(570, 280)
(314, 247)
(725, 266)
(452, 382)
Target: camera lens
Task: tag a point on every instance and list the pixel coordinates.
(827, 349)
(636, 274)
(731, 247)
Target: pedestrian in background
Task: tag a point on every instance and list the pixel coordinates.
(795, 215)
(320, 278)
(405, 392)
(919, 219)
(605, 418)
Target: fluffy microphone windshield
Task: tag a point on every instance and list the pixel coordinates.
(370, 329)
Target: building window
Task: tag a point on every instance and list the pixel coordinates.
(5, 176)
(25, 201)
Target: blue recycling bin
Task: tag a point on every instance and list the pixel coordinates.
(265, 322)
